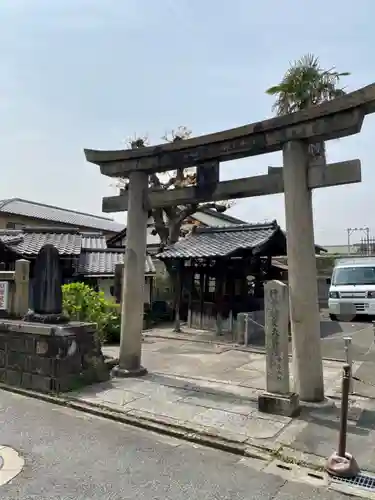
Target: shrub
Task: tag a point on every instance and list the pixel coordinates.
(82, 303)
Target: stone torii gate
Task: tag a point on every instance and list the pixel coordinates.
(292, 134)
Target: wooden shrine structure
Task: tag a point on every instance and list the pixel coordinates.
(290, 133)
(222, 272)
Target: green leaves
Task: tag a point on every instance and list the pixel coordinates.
(306, 84)
(82, 303)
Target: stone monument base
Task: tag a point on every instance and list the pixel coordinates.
(119, 372)
(53, 318)
(50, 358)
(279, 404)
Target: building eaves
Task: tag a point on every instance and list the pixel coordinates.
(28, 242)
(41, 211)
(222, 242)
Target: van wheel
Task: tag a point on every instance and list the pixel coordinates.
(333, 317)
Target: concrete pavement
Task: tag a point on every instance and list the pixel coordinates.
(211, 390)
(71, 455)
(331, 333)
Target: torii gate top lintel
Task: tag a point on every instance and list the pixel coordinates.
(331, 120)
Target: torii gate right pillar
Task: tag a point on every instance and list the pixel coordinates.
(303, 293)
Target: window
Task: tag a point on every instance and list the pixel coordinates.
(354, 276)
(211, 284)
(14, 225)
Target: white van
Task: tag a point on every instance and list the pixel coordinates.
(352, 288)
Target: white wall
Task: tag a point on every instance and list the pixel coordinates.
(105, 287)
(105, 284)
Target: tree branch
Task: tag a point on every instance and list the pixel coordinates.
(160, 226)
(154, 181)
(186, 212)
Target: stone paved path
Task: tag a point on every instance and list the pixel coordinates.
(213, 389)
(332, 335)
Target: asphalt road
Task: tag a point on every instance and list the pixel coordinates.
(70, 455)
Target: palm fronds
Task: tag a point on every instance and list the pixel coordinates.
(306, 84)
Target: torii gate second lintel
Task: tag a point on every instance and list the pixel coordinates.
(320, 176)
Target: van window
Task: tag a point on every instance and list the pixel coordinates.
(354, 276)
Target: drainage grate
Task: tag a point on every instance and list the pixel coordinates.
(365, 481)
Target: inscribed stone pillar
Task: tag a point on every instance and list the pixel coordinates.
(303, 293)
(276, 332)
(132, 305)
(277, 398)
(21, 282)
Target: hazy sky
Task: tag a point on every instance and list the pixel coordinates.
(89, 73)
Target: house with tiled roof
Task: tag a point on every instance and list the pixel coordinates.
(223, 270)
(16, 213)
(90, 246)
(84, 255)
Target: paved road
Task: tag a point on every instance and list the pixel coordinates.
(70, 455)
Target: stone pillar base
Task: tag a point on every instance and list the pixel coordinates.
(124, 373)
(279, 404)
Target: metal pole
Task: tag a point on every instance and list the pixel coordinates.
(349, 359)
(246, 333)
(344, 411)
(348, 231)
(368, 240)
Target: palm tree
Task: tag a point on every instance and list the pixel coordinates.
(306, 84)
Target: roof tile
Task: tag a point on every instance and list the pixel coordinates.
(221, 242)
(103, 262)
(30, 240)
(93, 241)
(29, 243)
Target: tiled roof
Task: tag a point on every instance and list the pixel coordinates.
(29, 242)
(223, 241)
(102, 263)
(93, 241)
(69, 241)
(26, 208)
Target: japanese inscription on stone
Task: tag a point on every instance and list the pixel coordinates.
(4, 293)
(276, 332)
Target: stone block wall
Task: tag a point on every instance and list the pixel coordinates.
(50, 358)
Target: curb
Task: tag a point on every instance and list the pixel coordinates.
(266, 453)
(258, 452)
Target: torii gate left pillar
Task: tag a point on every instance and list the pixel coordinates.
(133, 283)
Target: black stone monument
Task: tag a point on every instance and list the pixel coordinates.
(47, 292)
(55, 355)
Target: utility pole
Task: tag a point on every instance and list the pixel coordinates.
(365, 230)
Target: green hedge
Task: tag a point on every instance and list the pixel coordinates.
(82, 303)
